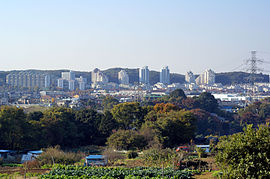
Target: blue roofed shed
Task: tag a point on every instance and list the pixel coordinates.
(96, 160)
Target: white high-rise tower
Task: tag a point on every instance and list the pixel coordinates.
(144, 75)
(165, 75)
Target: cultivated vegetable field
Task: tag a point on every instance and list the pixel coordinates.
(62, 171)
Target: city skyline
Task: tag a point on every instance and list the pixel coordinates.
(83, 35)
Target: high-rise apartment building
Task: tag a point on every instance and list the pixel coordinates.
(28, 79)
(208, 77)
(71, 85)
(82, 82)
(68, 75)
(98, 77)
(165, 75)
(144, 75)
(189, 77)
(60, 83)
(68, 81)
(123, 77)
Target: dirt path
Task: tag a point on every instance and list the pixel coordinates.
(206, 175)
(11, 170)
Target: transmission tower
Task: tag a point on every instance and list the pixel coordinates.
(253, 69)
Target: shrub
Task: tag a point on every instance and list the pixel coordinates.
(161, 157)
(126, 140)
(1, 161)
(245, 154)
(201, 152)
(132, 154)
(54, 155)
(112, 155)
(31, 164)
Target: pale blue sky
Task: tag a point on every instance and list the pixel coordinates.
(84, 34)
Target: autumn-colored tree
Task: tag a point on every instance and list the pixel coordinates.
(190, 103)
(164, 108)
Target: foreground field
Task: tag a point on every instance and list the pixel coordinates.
(121, 173)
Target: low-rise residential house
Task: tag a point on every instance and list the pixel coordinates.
(47, 99)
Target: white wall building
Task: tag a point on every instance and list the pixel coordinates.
(209, 77)
(165, 75)
(206, 78)
(98, 77)
(144, 75)
(28, 79)
(123, 77)
(68, 75)
(189, 77)
(81, 82)
(68, 81)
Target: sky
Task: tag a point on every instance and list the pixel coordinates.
(85, 34)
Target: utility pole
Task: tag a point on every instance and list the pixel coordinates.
(253, 69)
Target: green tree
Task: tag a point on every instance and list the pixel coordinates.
(208, 102)
(34, 116)
(126, 140)
(59, 127)
(108, 102)
(128, 115)
(255, 113)
(178, 93)
(264, 111)
(245, 154)
(88, 123)
(13, 128)
(207, 124)
(173, 128)
(107, 124)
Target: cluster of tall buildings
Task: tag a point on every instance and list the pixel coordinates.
(206, 78)
(164, 75)
(99, 79)
(69, 82)
(28, 79)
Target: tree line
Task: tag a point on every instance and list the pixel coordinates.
(167, 122)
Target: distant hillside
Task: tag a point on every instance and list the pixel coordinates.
(239, 78)
(224, 78)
